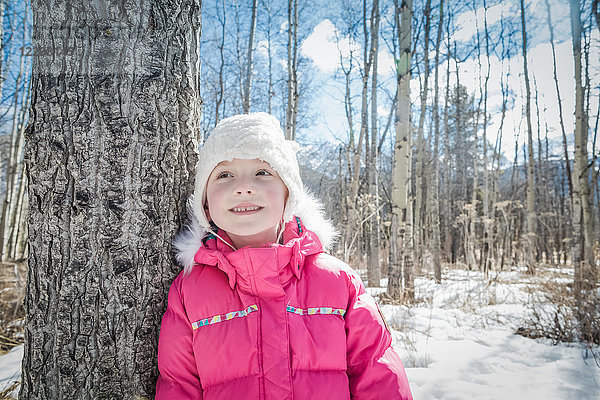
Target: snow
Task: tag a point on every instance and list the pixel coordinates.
(458, 342)
(10, 368)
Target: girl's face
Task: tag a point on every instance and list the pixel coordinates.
(246, 199)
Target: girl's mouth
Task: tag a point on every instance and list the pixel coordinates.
(246, 210)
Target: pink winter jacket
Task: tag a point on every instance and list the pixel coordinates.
(278, 322)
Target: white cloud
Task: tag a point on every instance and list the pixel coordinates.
(325, 45)
(321, 48)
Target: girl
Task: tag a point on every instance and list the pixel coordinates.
(260, 310)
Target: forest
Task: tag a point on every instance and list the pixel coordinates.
(440, 135)
(503, 166)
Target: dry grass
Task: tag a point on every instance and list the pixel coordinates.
(12, 312)
(7, 393)
(557, 314)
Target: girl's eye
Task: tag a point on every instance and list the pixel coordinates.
(224, 174)
(263, 172)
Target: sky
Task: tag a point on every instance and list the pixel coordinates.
(321, 49)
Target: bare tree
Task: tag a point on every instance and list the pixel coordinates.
(421, 153)
(583, 255)
(292, 66)
(433, 192)
(220, 93)
(110, 150)
(352, 152)
(373, 242)
(248, 77)
(401, 240)
(267, 5)
(596, 11)
(559, 99)
(531, 212)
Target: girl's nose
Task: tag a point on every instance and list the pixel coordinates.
(246, 191)
(244, 187)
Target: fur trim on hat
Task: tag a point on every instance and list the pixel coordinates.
(250, 136)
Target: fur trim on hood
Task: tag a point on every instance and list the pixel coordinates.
(310, 211)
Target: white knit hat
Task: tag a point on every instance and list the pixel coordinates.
(251, 136)
(248, 136)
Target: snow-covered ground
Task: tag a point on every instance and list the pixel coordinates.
(458, 343)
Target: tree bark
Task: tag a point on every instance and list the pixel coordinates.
(248, 77)
(559, 101)
(292, 65)
(15, 234)
(531, 213)
(596, 12)
(374, 265)
(110, 151)
(583, 255)
(401, 278)
(219, 96)
(419, 220)
(268, 7)
(433, 193)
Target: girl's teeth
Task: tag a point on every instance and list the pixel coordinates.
(242, 209)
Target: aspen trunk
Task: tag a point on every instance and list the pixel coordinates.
(433, 192)
(374, 265)
(419, 219)
(559, 100)
(221, 93)
(446, 170)
(531, 213)
(269, 57)
(111, 151)
(292, 66)
(349, 210)
(248, 78)
(364, 131)
(596, 12)
(487, 206)
(17, 236)
(583, 255)
(401, 278)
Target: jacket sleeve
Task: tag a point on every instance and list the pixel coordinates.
(178, 377)
(375, 370)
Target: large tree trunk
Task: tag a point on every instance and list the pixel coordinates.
(401, 240)
(111, 150)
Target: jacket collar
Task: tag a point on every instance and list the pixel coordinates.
(247, 266)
